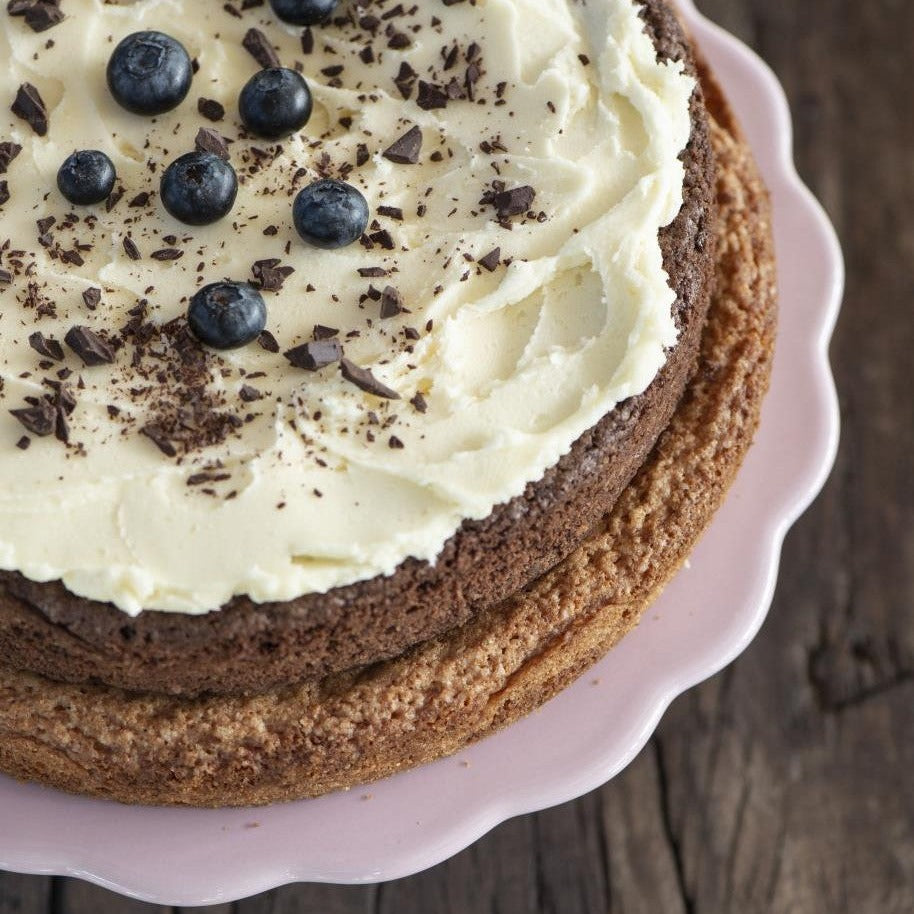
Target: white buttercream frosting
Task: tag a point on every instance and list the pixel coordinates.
(514, 364)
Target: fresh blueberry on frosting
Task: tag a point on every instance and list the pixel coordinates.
(226, 315)
(149, 73)
(275, 102)
(330, 214)
(303, 12)
(199, 188)
(86, 177)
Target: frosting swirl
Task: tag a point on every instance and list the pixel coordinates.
(510, 291)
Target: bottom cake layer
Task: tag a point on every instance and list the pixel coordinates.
(359, 726)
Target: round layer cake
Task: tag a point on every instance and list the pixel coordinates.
(343, 566)
(245, 499)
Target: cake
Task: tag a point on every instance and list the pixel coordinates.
(470, 446)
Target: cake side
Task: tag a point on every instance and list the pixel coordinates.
(362, 725)
(250, 647)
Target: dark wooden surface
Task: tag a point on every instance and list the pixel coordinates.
(785, 783)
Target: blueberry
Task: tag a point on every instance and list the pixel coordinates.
(330, 214)
(199, 188)
(226, 315)
(275, 102)
(149, 73)
(303, 12)
(86, 177)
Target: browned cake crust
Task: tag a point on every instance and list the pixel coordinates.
(249, 647)
(354, 727)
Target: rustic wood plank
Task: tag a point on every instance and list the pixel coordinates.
(788, 778)
(24, 894)
(326, 899)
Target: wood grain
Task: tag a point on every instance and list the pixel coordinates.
(784, 784)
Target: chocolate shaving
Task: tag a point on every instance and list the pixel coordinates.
(4, 192)
(267, 341)
(405, 79)
(167, 254)
(90, 347)
(249, 394)
(258, 46)
(391, 303)
(30, 106)
(8, 152)
(23, 443)
(365, 380)
(307, 41)
(156, 434)
(211, 109)
(383, 238)
(40, 15)
(269, 275)
(374, 272)
(314, 355)
(46, 346)
(92, 297)
(40, 420)
(491, 260)
(513, 202)
(418, 401)
(5, 277)
(208, 140)
(320, 332)
(431, 96)
(141, 199)
(405, 151)
(130, 249)
(392, 212)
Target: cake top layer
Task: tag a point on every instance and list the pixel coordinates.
(518, 158)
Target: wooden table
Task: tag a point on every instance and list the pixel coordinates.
(785, 783)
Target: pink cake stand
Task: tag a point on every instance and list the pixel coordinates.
(578, 741)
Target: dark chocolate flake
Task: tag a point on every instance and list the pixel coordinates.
(208, 140)
(23, 443)
(89, 346)
(156, 434)
(130, 248)
(92, 297)
(267, 341)
(30, 106)
(391, 303)
(395, 443)
(431, 96)
(5, 277)
(320, 332)
(269, 275)
(513, 202)
(211, 109)
(167, 254)
(258, 46)
(46, 346)
(4, 192)
(40, 419)
(372, 272)
(405, 151)
(419, 403)
(365, 380)
(491, 260)
(8, 152)
(316, 354)
(249, 394)
(40, 15)
(392, 212)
